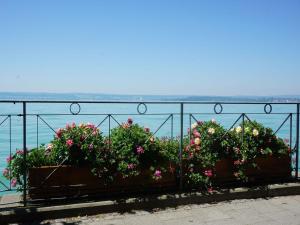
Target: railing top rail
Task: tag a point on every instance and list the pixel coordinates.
(150, 102)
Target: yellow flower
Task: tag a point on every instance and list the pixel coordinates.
(238, 129)
(211, 130)
(197, 141)
(194, 125)
(255, 132)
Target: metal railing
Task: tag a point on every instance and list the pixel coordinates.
(179, 115)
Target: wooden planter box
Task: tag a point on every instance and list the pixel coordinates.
(69, 181)
(270, 168)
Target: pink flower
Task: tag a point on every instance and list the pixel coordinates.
(125, 125)
(192, 141)
(5, 172)
(199, 123)
(68, 127)
(73, 125)
(147, 130)
(69, 143)
(130, 166)
(237, 162)
(187, 148)
(8, 159)
(59, 133)
(140, 150)
(196, 133)
(91, 147)
(129, 121)
(208, 173)
(210, 190)
(13, 182)
(20, 152)
(236, 174)
(286, 140)
(89, 125)
(157, 174)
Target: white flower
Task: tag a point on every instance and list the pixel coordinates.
(194, 125)
(255, 132)
(211, 130)
(49, 147)
(197, 141)
(238, 129)
(232, 129)
(213, 120)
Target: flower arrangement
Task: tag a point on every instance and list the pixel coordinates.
(136, 150)
(132, 150)
(16, 164)
(253, 140)
(208, 143)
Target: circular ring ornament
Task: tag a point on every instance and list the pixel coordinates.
(268, 108)
(142, 108)
(218, 105)
(73, 109)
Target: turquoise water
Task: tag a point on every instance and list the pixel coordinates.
(38, 132)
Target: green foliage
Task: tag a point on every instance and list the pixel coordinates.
(16, 165)
(136, 150)
(251, 140)
(131, 150)
(208, 143)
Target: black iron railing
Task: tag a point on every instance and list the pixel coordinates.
(179, 116)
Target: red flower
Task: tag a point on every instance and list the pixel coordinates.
(210, 190)
(129, 121)
(59, 133)
(69, 143)
(208, 173)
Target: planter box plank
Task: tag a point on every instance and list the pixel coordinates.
(69, 181)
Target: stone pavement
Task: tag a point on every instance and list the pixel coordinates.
(277, 210)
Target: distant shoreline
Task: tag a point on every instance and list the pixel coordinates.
(95, 96)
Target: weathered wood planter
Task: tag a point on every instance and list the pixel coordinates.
(69, 181)
(270, 168)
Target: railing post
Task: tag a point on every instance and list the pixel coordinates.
(297, 140)
(181, 146)
(24, 156)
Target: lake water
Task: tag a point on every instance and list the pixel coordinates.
(57, 115)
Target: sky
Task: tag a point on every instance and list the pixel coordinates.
(156, 47)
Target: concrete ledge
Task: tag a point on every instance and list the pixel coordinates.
(21, 214)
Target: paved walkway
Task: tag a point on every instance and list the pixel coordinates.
(278, 210)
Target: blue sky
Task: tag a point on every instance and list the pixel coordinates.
(229, 47)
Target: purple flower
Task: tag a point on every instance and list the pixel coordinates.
(130, 166)
(140, 150)
(157, 174)
(91, 147)
(8, 159)
(5, 172)
(13, 182)
(20, 152)
(129, 121)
